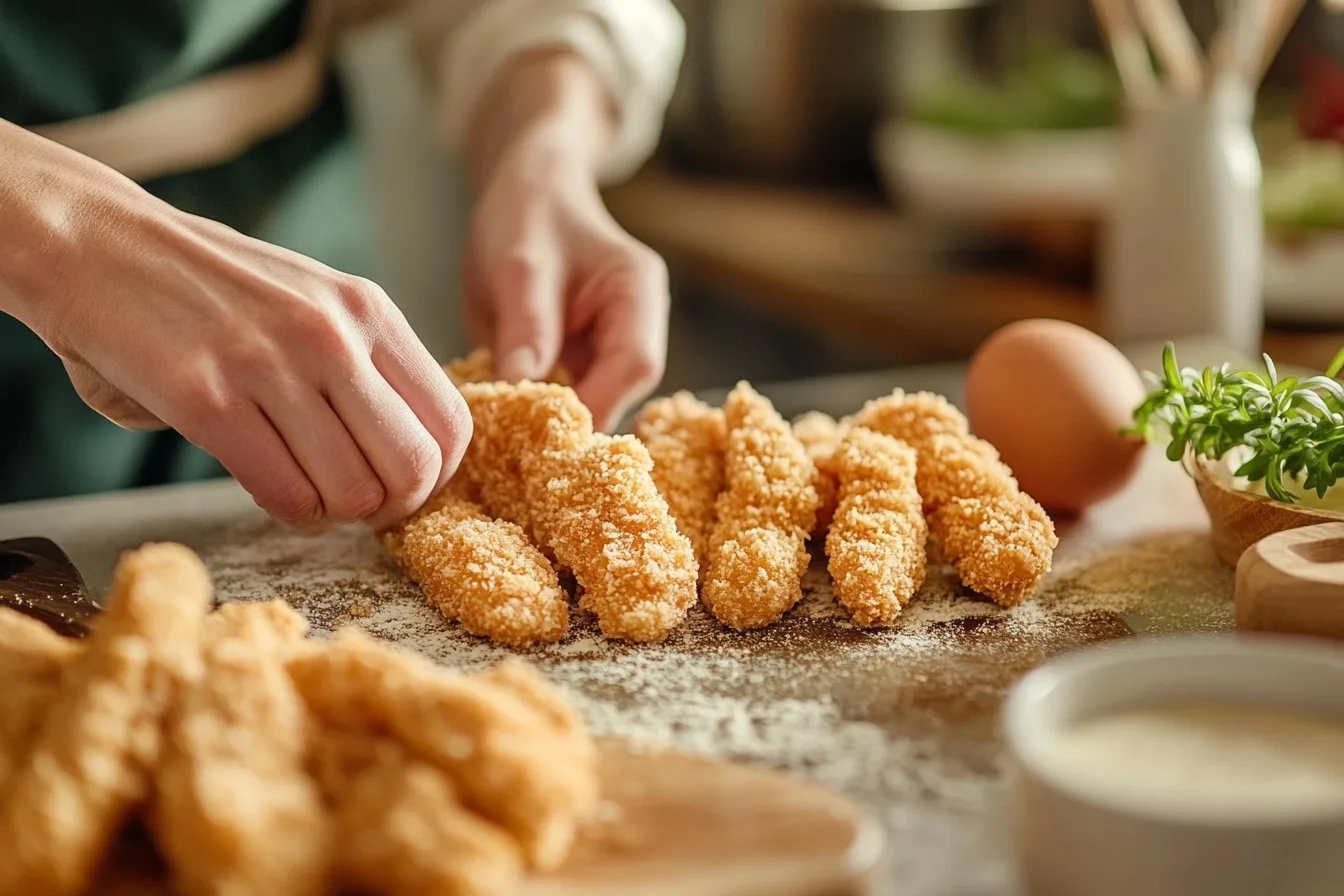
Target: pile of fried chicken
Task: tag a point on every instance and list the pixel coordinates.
(263, 762)
(715, 503)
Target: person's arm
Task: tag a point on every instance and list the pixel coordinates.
(546, 100)
(306, 383)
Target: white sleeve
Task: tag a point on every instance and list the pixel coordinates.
(635, 46)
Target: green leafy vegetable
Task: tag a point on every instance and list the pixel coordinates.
(1046, 88)
(1293, 428)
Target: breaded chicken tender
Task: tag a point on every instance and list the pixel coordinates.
(686, 439)
(235, 814)
(401, 828)
(479, 367)
(821, 435)
(33, 660)
(999, 540)
(89, 763)
(588, 499)
(481, 571)
(876, 543)
(758, 547)
(605, 520)
(512, 423)
(508, 761)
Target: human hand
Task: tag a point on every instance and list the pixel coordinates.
(548, 273)
(307, 384)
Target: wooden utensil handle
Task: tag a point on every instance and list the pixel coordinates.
(1292, 582)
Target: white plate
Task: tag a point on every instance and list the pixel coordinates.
(1039, 176)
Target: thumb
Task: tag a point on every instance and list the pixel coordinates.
(529, 321)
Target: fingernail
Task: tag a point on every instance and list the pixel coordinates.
(520, 364)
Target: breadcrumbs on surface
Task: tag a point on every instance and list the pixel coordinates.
(768, 480)
(876, 543)
(686, 439)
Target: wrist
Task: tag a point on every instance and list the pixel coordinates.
(59, 207)
(549, 108)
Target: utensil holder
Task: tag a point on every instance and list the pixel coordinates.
(1182, 251)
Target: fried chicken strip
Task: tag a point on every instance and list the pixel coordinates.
(999, 540)
(820, 434)
(757, 550)
(587, 498)
(876, 543)
(401, 828)
(235, 813)
(479, 367)
(605, 520)
(686, 439)
(33, 659)
(90, 760)
(483, 572)
(511, 423)
(509, 762)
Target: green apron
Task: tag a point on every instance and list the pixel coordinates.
(301, 189)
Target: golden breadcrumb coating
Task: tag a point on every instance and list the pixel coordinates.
(401, 828)
(479, 367)
(511, 423)
(483, 572)
(821, 435)
(1000, 545)
(90, 760)
(997, 538)
(508, 761)
(605, 520)
(758, 548)
(33, 660)
(876, 543)
(235, 814)
(686, 439)
(587, 498)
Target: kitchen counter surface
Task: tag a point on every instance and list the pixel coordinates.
(904, 719)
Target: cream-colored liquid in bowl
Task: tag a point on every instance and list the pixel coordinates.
(1207, 762)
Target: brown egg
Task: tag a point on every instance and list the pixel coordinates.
(1052, 397)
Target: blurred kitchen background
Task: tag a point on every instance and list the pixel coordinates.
(852, 184)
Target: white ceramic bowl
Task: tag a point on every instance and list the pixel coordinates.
(1070, 843)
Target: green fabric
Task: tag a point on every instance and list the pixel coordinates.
(61, 59)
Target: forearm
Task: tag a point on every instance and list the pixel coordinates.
(552, 101)
(54, 204)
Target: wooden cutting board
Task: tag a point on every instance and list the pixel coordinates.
(682, 825)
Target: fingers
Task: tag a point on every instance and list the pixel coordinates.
(529, 328)
(243, 440)
(403, 455)
(409, 370)
(629, 337)
(319, 440)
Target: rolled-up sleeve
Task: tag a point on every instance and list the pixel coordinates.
(634, 46)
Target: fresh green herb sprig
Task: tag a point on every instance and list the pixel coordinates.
(1293, 428)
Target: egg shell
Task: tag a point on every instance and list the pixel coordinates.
(1052, 397)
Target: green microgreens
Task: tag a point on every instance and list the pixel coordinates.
(1293, 428)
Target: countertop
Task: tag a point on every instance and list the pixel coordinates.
(904, 719)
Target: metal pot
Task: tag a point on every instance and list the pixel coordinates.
(793, 89)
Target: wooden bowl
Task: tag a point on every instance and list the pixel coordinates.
(1238, 520)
